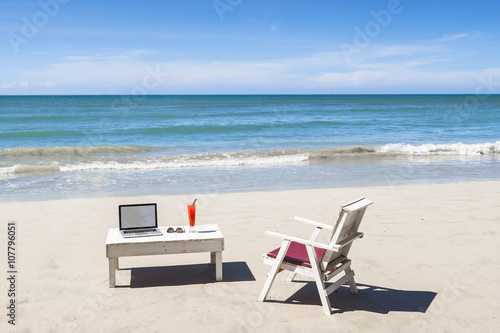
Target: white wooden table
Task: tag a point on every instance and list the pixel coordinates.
(168, 243)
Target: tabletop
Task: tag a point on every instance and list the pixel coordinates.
(196, 233)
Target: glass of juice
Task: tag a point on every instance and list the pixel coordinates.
(191, 215)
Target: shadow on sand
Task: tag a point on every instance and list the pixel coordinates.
(144, 277)
(369, 298)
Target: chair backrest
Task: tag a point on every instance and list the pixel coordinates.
(347, 225)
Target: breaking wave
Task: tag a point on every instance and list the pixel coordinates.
(69, 151)
(131, 158)
(460, 149)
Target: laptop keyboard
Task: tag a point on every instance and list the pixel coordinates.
(136, 231)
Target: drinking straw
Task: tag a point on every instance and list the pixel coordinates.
(194, 202)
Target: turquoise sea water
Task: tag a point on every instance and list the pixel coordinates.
(85, 146)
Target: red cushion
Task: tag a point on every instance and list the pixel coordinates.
(297, 254)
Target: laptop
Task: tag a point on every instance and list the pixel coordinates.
(139, 220)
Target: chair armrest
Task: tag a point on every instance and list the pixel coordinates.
(348, 240)
(317, 224)
(302, 241)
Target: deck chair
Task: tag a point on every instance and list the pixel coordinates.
(321, 261)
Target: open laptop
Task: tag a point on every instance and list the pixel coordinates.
(138, 220)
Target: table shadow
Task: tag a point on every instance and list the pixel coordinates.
(144, 277)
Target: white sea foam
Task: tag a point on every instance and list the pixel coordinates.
(459, 149)
(129, 162)
(198, 161)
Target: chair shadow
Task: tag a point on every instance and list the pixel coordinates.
(369, 298)
(145, 277)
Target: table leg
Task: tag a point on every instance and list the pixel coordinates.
(218, 266)
(113, 266)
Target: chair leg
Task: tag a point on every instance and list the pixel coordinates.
(290, 277)
(352, 283)
(320, 284)
(274, 270)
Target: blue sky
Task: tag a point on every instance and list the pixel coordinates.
(248, 47)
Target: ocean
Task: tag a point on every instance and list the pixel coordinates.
(54, 147)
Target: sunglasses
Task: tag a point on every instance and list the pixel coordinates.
(172, 230)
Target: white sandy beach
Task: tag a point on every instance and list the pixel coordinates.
(428, 262)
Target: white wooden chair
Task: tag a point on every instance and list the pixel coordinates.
(321, 261)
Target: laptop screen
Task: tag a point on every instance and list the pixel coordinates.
(138, 216)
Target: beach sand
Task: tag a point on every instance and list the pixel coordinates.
(428, 262)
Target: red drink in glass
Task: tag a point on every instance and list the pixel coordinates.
(191, 214)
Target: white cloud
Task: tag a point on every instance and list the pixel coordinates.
(482, 81)
(47, 84)
(457, 36)
(357, 78)
(274, 27)
(26, 84)
(111, 56)
(308, 72)
(390, 66)
(388, 56)
(164, 74)
(135, 53)
(89, 72)
(9, 85)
